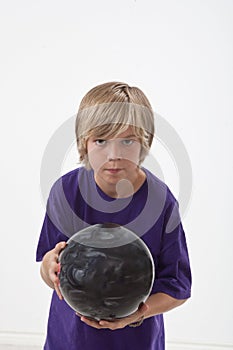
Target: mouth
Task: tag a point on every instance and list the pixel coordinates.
(113, 170)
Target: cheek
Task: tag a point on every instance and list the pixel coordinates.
(96, 158)
(133, 155)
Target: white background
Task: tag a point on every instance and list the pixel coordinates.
(180, 54)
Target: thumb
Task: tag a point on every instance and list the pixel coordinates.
(59, 246)
(143, 307)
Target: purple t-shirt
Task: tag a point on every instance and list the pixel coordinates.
(75, 202)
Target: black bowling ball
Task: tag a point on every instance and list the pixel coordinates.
(106, 272)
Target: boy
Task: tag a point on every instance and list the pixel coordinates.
(114, 131)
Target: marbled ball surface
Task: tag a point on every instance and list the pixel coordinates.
(106, 272)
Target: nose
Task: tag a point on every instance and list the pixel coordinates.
(114, 151)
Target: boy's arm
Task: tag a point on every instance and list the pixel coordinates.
(160, 302)
(156, 304)
(50, 267)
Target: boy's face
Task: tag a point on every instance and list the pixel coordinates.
(114, 159)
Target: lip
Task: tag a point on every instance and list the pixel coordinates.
(113, 170)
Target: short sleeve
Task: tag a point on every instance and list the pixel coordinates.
(58, 221)
(49, 237)
(173, 273)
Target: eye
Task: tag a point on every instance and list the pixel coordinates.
(100, 142)
(127, 142)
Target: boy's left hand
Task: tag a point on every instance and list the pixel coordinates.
(118, 323)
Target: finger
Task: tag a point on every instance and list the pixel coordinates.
(53, 271)
(55, 280)
(140, 313)
(121, 323)
(58, 268)
(91, 323)
(59, 246)
(56, 287)
(58, 292)
(143, 307)
(112, 324)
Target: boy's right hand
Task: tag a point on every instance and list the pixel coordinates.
(50, 268)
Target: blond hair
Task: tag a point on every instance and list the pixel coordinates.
(108, 110)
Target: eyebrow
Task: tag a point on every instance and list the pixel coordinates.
(128, 136)
(125, 137)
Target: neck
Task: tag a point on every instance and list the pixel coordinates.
(123, 188)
